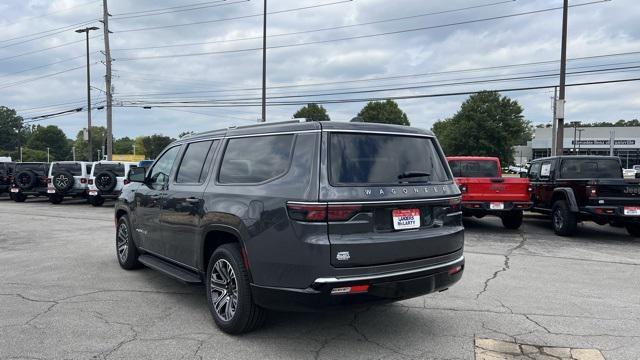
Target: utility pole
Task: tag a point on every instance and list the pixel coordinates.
(563, 68)
(73, 151)
(107, 78)
(554, 122)
(264, 62)
(86, 31)
(612, 140)
(575, 135)
(48, 155)
(579, 139)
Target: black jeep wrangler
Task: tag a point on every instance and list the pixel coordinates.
(30, 178)
(6, 176)
(302, 216)
(581, 188)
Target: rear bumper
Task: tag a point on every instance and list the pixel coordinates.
(32, 191)
(485, 206)
(72, 192)
(107, 195)
(610, 212)
(383, 288)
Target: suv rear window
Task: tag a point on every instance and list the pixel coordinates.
(256, 159)
(590, 169)
(117, 169)
(383, 159)
(474, 168)
(40, 169)
(74, 169)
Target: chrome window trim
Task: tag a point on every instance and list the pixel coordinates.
(371, 202)
(378, 132)
(331, 280)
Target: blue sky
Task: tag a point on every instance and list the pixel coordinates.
(608, 27)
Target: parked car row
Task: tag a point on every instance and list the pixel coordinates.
(571, 189)
(94, 181)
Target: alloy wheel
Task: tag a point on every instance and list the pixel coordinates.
(558, 221)
(122, 243)
(224, 290)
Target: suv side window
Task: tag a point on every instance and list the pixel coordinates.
(258, 159)
(159, 175)
(534, 171)
(545, 170)
(192, 169)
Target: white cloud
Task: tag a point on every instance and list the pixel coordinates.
(610, 27)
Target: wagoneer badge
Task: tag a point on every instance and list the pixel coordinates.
(343, 256)
(415, 190)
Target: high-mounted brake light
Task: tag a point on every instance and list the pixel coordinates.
(322, 212)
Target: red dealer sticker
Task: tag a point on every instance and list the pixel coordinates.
(406, 219)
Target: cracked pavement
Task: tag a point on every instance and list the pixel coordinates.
(63, 296)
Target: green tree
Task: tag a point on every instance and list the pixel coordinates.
(140, 150)
(10, 127)
(124, 146)
(185, 134)
(385, 112)
(97, 140)
(313, 112)
(154, 144)
(487, 124)
(52, 137)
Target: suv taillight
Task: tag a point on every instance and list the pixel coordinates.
(321, 212)
(126, 181)
(46, 179)
(90, 181)
(83, 181)
(463, 188)
(592, 191)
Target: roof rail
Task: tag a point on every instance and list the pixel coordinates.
(296, 121)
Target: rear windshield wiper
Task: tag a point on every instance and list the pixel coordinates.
(412, 174)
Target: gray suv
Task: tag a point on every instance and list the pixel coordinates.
(303, 216)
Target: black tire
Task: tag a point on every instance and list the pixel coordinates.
(63, 181)
(19, 197)
(633, 229)
(106, 181)
(55, 199)
(564, 222)
(512, 219)
(96, 201)
(126, 250)
(26, 179)
(247, 316)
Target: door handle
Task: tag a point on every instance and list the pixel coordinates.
(193, 200)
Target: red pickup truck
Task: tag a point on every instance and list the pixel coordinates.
(486, 192)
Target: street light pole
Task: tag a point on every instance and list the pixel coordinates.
(48, 155)
(264, 62)
(86, 31)
(579, 139)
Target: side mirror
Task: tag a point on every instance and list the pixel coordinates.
(524, 175)
(136, 174)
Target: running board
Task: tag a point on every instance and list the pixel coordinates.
(174, 271)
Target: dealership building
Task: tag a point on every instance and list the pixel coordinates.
(587, 141)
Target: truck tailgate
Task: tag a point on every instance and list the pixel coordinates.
(495, 189)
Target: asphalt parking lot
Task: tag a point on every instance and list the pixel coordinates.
(63, 296)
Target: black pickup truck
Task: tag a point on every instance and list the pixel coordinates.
(583, 188)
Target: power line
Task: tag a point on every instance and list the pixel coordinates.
(232, 18)
(403, 97)
(167, 8)
(49, 13)
(43, 66)
(182, 10)
(466, 22)
(497, 67)
(405, 88)
(47, 32)
(319, 30)
(21, 82)
(45, 49)
(433, 83)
